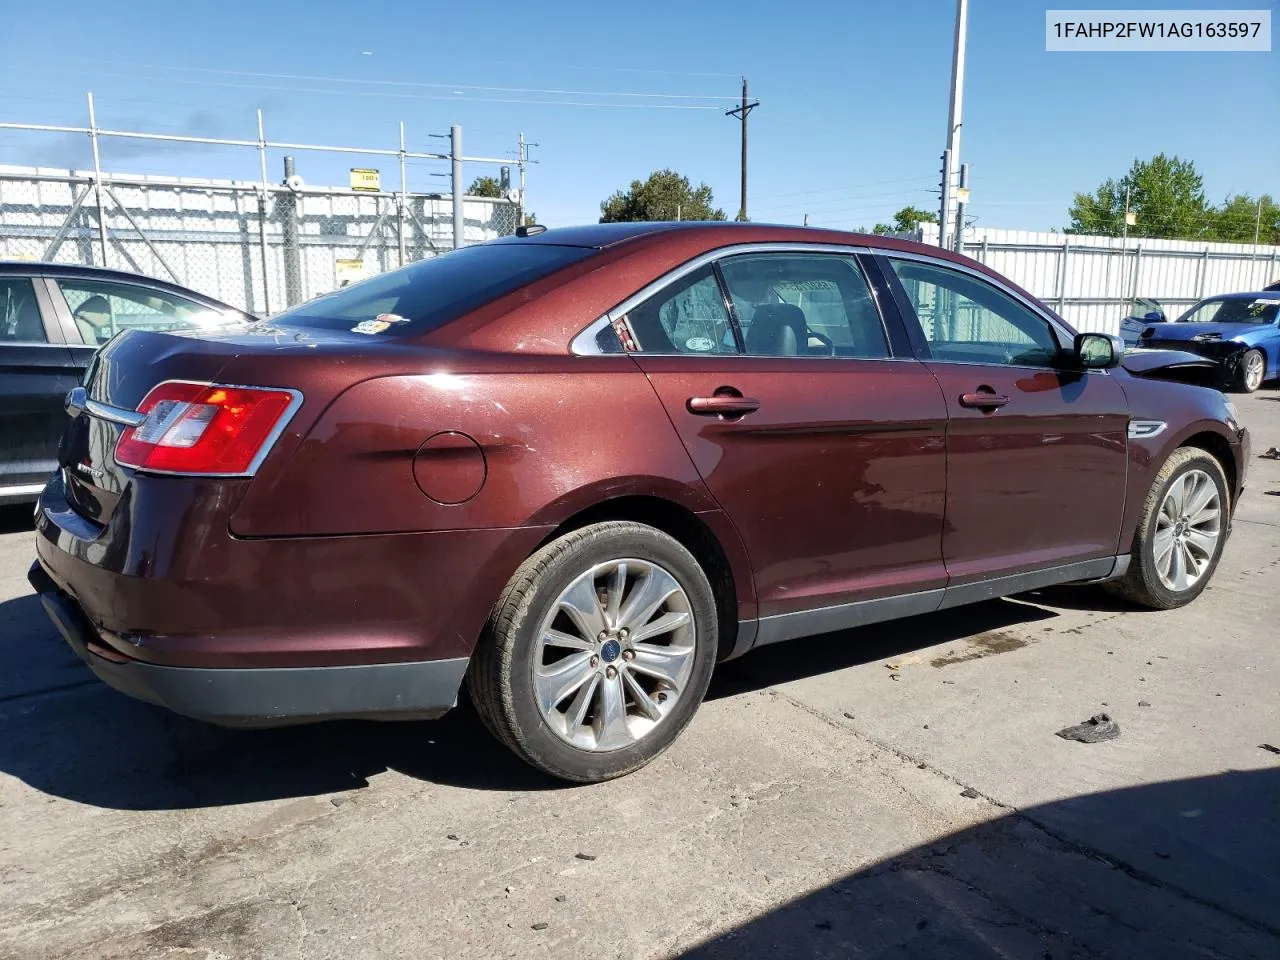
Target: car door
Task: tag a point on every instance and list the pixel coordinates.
(824, 447)
(1036, 451)
(36, 372)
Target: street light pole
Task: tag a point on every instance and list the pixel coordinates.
(954, 121)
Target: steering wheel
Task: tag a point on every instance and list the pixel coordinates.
(826, 342)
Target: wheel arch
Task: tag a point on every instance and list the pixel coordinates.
(708, 535)
(1217, 447)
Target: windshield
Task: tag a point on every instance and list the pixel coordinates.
(430, 293)
(1236, 310)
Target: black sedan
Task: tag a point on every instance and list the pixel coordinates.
(53, 317)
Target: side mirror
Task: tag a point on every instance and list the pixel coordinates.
(1154, 316)
(1098, 351)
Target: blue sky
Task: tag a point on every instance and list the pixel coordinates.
(853, 97)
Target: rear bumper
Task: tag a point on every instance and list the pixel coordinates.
(263, 696)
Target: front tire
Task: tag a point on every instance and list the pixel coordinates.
(598, 653)
(1181, 535)
(1253, 370)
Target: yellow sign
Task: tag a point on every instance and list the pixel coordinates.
(348, 271)
(962, 194)
(1131, 218)
(362, 178)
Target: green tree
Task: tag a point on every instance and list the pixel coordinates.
(1240, 216)
(909, 218)
(1166, 195)
(666, 195)
(485, 187)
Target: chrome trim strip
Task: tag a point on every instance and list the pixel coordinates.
(803, 623)
(1100, 569)
(267, 444)
(104, 411)
(1146, 429)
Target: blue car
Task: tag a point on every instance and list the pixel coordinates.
(1240, 331)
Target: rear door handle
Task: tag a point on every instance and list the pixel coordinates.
(722, 405)
(983, 400)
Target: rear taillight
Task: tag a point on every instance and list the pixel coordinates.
(201, 428)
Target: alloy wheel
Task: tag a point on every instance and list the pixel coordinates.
(1188, 528)
(614, 654)
(1253, 372)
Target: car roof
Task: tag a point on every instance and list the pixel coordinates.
(605, 235)
(1261, 294)
(44, 268)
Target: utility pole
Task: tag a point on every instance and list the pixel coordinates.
(741, 113)
(952, 155)
(1124, 237)
(962, 199)
(1257, 223)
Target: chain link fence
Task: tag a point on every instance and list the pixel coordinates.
(256, 245)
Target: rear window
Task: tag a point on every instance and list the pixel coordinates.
(426, 295)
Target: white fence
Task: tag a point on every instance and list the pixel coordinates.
(1091, 281)
(256, 248)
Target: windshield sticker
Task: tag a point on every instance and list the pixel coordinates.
(371, 326)
(700, 344)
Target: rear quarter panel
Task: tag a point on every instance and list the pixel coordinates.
(554, 439)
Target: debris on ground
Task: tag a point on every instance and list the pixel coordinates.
(585, 856)
(1143, 703)
(1272, 453)
(1097, 728)
(969, 793)
(1269, 748)
(561, 898)
(541, 925)
(895, 676)
(849, 716)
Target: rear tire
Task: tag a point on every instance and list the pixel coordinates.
(598, 653)
(1253, 371)
(1180, 537)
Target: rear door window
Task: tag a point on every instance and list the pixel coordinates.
(804, 304)
(102, 308)
(689, 316)
(20, 320)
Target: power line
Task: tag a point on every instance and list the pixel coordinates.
(409, 96)
(315, 78)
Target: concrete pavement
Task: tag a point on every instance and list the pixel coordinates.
(895, 790)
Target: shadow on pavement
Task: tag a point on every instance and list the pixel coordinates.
(1188, 868)
(17, 519)
(65, 733)
(810, 656)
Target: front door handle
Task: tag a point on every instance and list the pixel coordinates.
(722, 405)
(983, 400)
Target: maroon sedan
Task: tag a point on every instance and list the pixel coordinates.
(574, 469)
